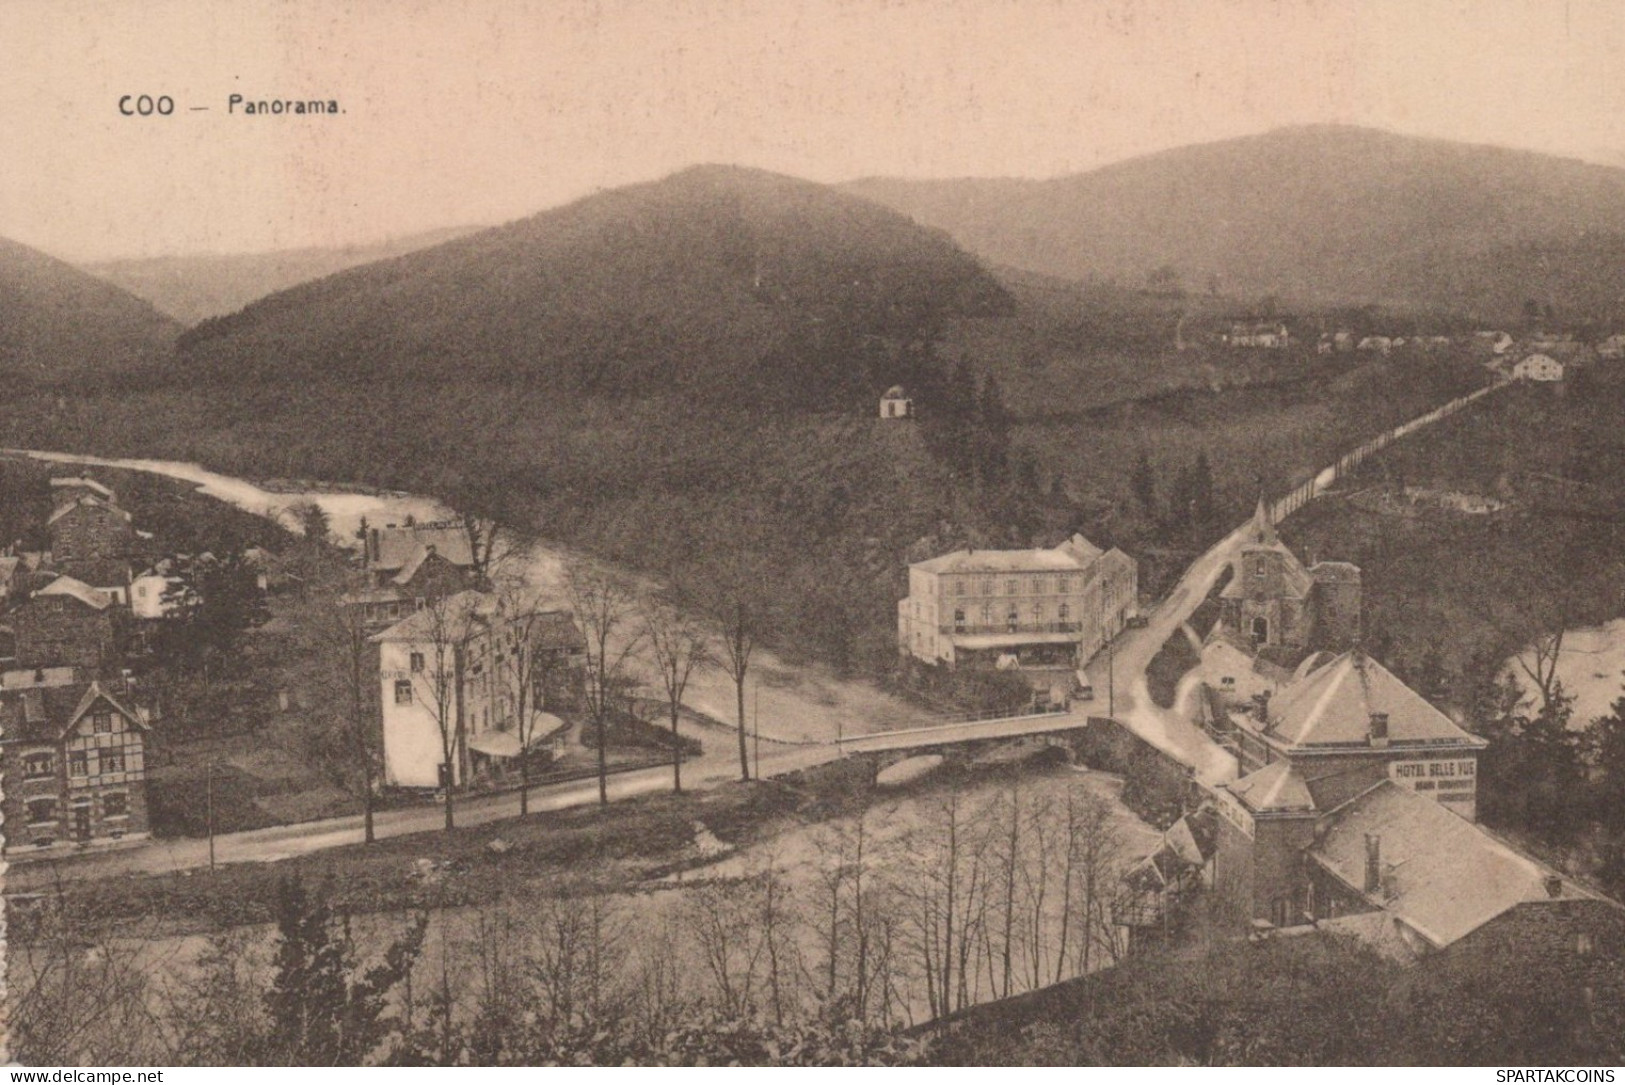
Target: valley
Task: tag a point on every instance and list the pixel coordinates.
(663, 398)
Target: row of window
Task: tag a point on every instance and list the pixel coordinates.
(1062, 585)
(1063, 613)
(42, 765)
(115, 804)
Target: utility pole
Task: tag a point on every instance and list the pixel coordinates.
(1111, 656)
(756, 725)
(208, 787)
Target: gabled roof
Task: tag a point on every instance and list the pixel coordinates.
(422, 554)
(1262, 537)
(1074, 555)
(1333, 707)
(77, 589)
(399, 545)
(1276, 788)
(1447, 876)
(455, 617)
(557, 630)
(86, 501)
(45, 713)
(895, 392)
(85, 483)
(103, 573)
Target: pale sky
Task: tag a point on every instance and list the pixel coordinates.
(481, 111)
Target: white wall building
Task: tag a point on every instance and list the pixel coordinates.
(896, 404)
(1538, 367)
(1041, 608)
(450, 665)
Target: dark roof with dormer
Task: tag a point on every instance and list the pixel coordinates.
(397, 547)
(45, 713)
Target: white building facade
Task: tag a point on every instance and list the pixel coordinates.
(1040, 608)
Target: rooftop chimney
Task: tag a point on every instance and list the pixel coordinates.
(1378, 732)
(1373, 862)
(1554, 885)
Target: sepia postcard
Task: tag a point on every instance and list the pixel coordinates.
(812, 533)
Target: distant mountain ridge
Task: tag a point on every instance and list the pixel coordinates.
(59, 325)
(1320, 213)
(708, 277)
(194, 288)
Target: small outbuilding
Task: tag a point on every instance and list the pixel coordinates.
(1538, 367)
(896, 404)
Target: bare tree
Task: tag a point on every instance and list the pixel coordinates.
(442, 634)
(340, 671)
(490, 543)
(604, 605)
(679, 647)
(1094, 851)
(525, 620)
(348, 633)
(738, 642)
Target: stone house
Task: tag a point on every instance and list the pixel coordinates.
(89, 529)
(74, 759)
(68, 623)
(445, 678)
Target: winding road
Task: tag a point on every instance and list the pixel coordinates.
(801, 711)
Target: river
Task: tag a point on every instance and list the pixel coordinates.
(798, 703)
(1591, 667)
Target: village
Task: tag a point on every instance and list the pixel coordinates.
(1043, 534)
(1310, 788)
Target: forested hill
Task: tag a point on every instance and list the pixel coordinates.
(194, 288)
(59, 326)
(716, 281)
(1320, 213)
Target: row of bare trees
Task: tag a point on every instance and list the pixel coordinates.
(631, 635)
(982, 897)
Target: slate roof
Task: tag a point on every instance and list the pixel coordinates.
(1276, 788)
(77, 589)
(463, 614)
(422, 553)
(83, 482)
(1074, 555)
(558, 631)
(83, 502)
(101, 573)
(44, 713)
(1263, 537)
(397, 546)
(1449, 876)
(1333, 706)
